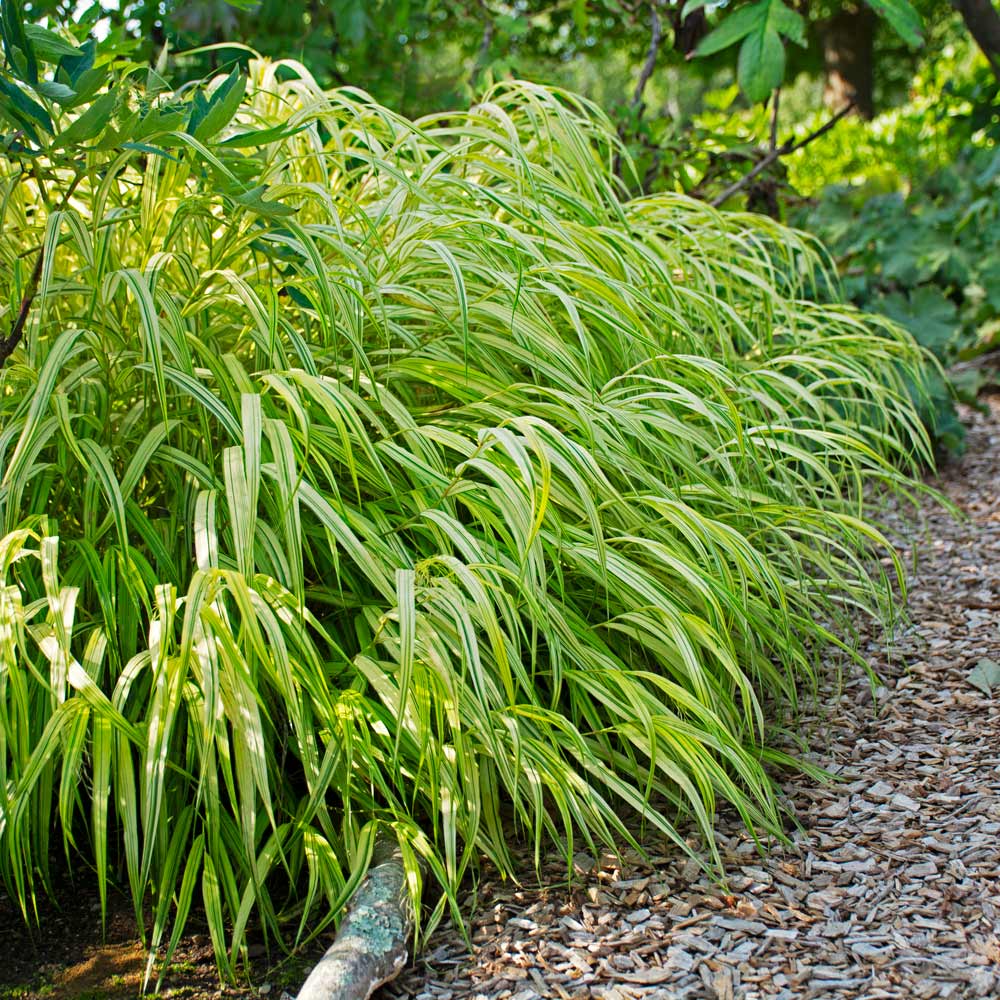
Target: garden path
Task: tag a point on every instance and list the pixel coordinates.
(891, 889)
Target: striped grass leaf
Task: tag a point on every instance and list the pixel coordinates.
(464, 501)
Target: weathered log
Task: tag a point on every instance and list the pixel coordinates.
(372, 943)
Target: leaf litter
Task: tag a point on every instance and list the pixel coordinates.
(985, 675)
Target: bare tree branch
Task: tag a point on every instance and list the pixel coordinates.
(777, 152)
(775, 105)
(9, 343)
(372, 945)
(489, 29)
(655, 38)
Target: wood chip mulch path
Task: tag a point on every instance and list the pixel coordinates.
(891, 889)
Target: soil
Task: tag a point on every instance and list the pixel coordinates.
(67, 955)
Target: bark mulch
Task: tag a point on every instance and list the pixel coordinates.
(891, 888)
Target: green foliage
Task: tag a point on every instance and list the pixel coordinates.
(947, 107)
(902, 17)
(929, 260)
(951, 106)
(363, 474)
(763, 27)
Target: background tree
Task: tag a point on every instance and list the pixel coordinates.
(983, 22)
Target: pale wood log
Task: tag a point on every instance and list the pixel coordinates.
(372, 943)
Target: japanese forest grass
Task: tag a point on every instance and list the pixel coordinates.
(468, 502)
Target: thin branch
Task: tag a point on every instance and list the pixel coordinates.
(775, 105)
(655, 39)
(9, 344)
(823, 129)
(650, 64)
(489, 28)
(777, 152)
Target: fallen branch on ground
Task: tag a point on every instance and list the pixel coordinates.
(372, 943)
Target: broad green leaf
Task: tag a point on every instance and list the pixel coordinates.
(253, 201)
(787, 22)
(80, 64)
(57, 92)
(220, 107)
(903, 18)
(48, 45)
(17, 43)
(985, 675)
(761, 64)
(928, 314)
(735, 26)
(88, 125)
(23, 108)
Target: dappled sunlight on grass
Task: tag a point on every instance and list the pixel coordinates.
(429, 487)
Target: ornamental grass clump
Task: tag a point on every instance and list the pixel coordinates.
(363, 475)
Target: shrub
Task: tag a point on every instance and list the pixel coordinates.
(951, 106)
(928, 261)
(363, 474)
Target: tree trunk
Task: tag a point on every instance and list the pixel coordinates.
(983, 22)
(688, 31)
(848, 54)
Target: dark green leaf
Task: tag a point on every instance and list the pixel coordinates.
(141, 147)
(159, 121)
(254, 201)
(788, 22)
(989, 278)
(24, 108)
(76, 65)
(90, 123)
(199, 108)
(928, 314)
(57, 92)
(48, 45)
(221, 106)
(88, 83)
(262, 136)
(761, 65)
(737, 25)
(901, 15)
(114, 137)
(17, 46)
